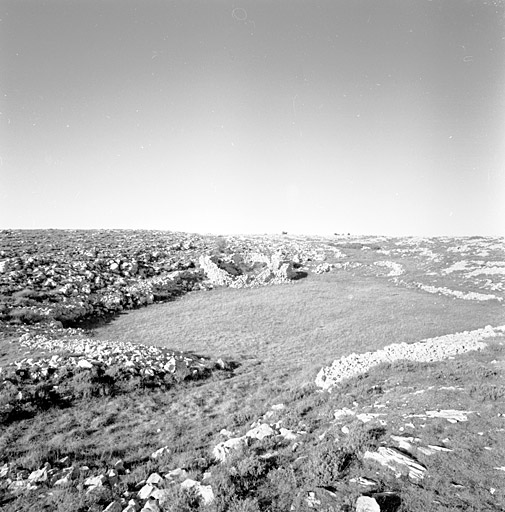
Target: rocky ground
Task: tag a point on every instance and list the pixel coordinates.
(72, 276)
(54, 282)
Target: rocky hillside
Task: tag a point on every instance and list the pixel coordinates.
(73, 276)
(82, 419)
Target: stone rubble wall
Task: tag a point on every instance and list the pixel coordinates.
(431, 349)
(396, 268)
(85, 352)
(276, 270)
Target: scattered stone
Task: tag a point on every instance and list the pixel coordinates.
(398, 462)
(4, 470)
(178, 473)
(364, 482)
(221, 450)
(146, 491)
(151, 505)
(112, 476)
(405, 443)
(396, 268)
(268, 455)
(161, 495)
(323, 267)
(311, 500)
(260, 432)
(132, 506)
(83, 363)
(342, 413)
(287, 434)
(451, 415)
(431, 449)
(38, 476)
(322, 498)
(367, 417)
(95, 481)
(18, 486)
(115, 506)
(154, 479)
(119, 466)
(367, 504)
(161, 451)
(64, 481)
(204, 491)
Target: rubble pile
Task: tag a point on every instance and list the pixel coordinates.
(152, 494)
(87, 353)
(65, 365)
(272, 270)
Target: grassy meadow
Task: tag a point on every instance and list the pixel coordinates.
(292, 330)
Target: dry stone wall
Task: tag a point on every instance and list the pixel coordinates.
(432, 349)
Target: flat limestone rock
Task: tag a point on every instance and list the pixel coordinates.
(397, 461)
(450, 415)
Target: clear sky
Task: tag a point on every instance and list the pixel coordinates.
(250, 116)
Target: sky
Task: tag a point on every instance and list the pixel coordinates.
(254, 116)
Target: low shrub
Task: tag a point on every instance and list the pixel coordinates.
(245, 505)
(181, 500)
(487, 392)
(24, 315)
(327, 463)
(280, 488)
